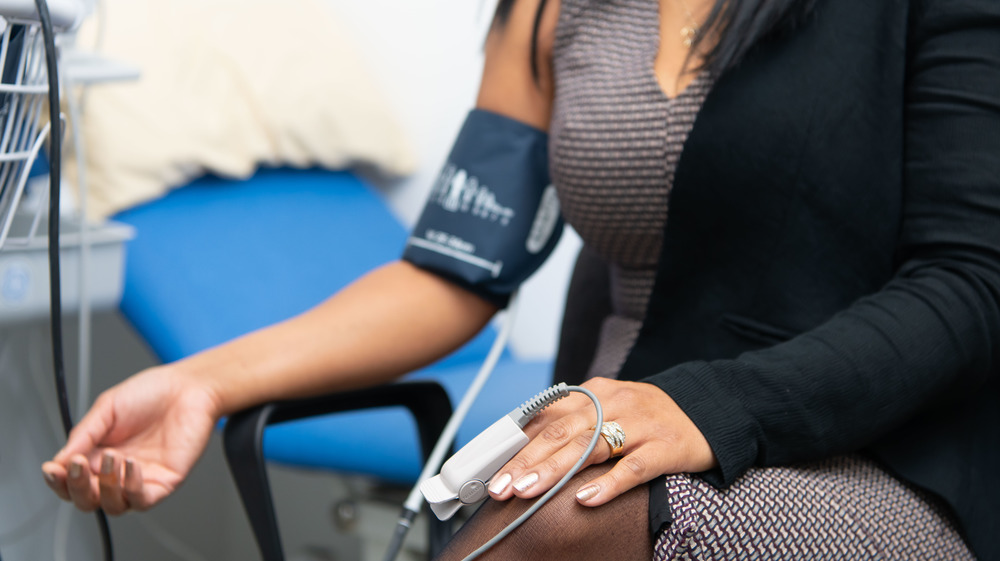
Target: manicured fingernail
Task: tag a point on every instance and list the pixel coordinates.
(129, 467)
(587, 493)
(48, 476)
(526, 481)
(107, 464)
(500, 484)
(74, 469)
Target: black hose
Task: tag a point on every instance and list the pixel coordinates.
(55, 274)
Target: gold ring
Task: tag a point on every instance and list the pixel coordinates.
(614, 435)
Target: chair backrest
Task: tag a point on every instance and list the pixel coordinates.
(588, 302)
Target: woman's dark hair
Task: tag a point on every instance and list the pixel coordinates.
(739, 24)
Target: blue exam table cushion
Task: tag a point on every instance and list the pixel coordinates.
(220, 258)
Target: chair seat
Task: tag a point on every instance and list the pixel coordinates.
(220, 258)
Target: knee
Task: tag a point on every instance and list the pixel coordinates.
(561, 529)
(547, 534)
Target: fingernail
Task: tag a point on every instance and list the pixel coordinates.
(587, 493)
(107, 464)
(129, 467)
(500, 484)
(74, 469)
(48, 476)
(525, 482)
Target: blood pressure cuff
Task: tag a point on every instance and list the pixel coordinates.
(492, 216)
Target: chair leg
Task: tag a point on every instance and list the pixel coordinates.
(432, 412)
(244, 436)
(243, 440)
(440, 532)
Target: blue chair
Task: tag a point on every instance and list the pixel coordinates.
(219, 258)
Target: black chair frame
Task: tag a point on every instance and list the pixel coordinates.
(243, 443)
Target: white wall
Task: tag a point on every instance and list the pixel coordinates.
(428, 56)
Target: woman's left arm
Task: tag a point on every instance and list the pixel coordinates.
(930, 334)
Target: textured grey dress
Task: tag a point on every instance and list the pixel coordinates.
(615, 140)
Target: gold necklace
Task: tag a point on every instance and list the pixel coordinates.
(690, 31)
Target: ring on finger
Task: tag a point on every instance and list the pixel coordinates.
(614, 435)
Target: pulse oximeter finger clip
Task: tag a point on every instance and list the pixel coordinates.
(465, 476)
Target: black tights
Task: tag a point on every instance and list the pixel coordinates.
(562, 529)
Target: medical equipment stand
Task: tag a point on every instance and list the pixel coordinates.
(32, 524)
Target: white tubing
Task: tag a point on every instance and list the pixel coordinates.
(415, 499)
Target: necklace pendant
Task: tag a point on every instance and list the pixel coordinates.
(688, 35)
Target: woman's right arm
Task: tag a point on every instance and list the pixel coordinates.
(141, 438)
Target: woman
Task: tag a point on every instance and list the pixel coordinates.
(799, 208)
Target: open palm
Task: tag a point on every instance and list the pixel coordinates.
(136, 444)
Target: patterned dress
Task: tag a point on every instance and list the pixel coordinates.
(615, 142)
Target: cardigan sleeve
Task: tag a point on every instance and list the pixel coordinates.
(933, 331)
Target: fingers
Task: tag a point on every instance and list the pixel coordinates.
(82, 484)
(110, 484)
(115, 487)
(55, 477)
(135, 493)
(559, 436)
(630, 471)
(541, 464)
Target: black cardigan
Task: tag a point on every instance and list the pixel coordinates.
(830, 275)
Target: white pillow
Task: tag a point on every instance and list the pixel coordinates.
(228, 85)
